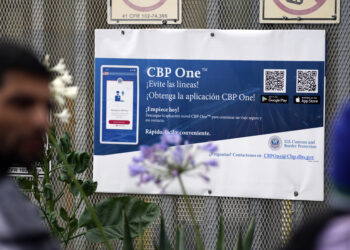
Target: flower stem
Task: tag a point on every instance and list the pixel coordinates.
(82, 193)
(190, 209)
(61, 193)
(77, 235)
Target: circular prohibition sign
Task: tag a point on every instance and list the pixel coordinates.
(315, 7)
(144, 8)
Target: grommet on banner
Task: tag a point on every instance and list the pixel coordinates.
(299, 18)
(285, 18)
(123, 32)
(212, 34)
(334, 17)
(209, 191)
(164, 22)
(296, 193)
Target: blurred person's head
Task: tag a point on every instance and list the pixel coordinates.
(340, 171)
(24, 105)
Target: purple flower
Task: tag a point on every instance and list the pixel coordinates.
(167, 160)
(160, 159)
(178, 155)
(175, 173)
(211, 163)
(135, 169)
(204, 177)
(146, 151)
(171, 138)
(162, 146)
(210, 147)
(137, 159)
(146, 178)
(190, 160)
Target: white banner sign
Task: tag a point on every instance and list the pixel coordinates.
(257, 95)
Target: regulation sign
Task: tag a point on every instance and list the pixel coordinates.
(299, 11)
(144, 12)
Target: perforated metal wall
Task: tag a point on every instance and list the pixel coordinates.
(65, 28)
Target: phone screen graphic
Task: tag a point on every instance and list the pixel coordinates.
(119, 104)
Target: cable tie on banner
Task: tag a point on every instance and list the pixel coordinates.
(296, 193)
(212, 34)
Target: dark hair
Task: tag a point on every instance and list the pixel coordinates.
(16, 58)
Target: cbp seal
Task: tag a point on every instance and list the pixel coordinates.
(275, 142)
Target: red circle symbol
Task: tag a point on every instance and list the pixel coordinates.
(318, 5)
(144, 8)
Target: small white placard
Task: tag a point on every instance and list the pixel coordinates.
(299, 11)
(144, 11)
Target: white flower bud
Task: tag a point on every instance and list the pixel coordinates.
(60, 67)
(71, 92)
(63, 116)
(47, 61)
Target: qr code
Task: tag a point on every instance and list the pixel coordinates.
(275, 80)
(307, 81)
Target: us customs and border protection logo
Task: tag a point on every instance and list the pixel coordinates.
(275, 142)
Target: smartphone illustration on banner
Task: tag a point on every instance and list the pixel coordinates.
(119, 104)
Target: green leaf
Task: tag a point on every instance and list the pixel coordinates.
(65, 177)
(249, 237)
(109, 212)
(220, 244)
(58, 227)
(74, 223)
(48, 193)
(73, 226)
(64, 144)
(71, 158)
(89, 187)
(74, 189)
(79, 161)
(164, 242)
(140, 237)
(52, 216)
(82, 161)
(180, 239)
(24, 183)
(127, 241)
(64, 214)
(239, 244)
